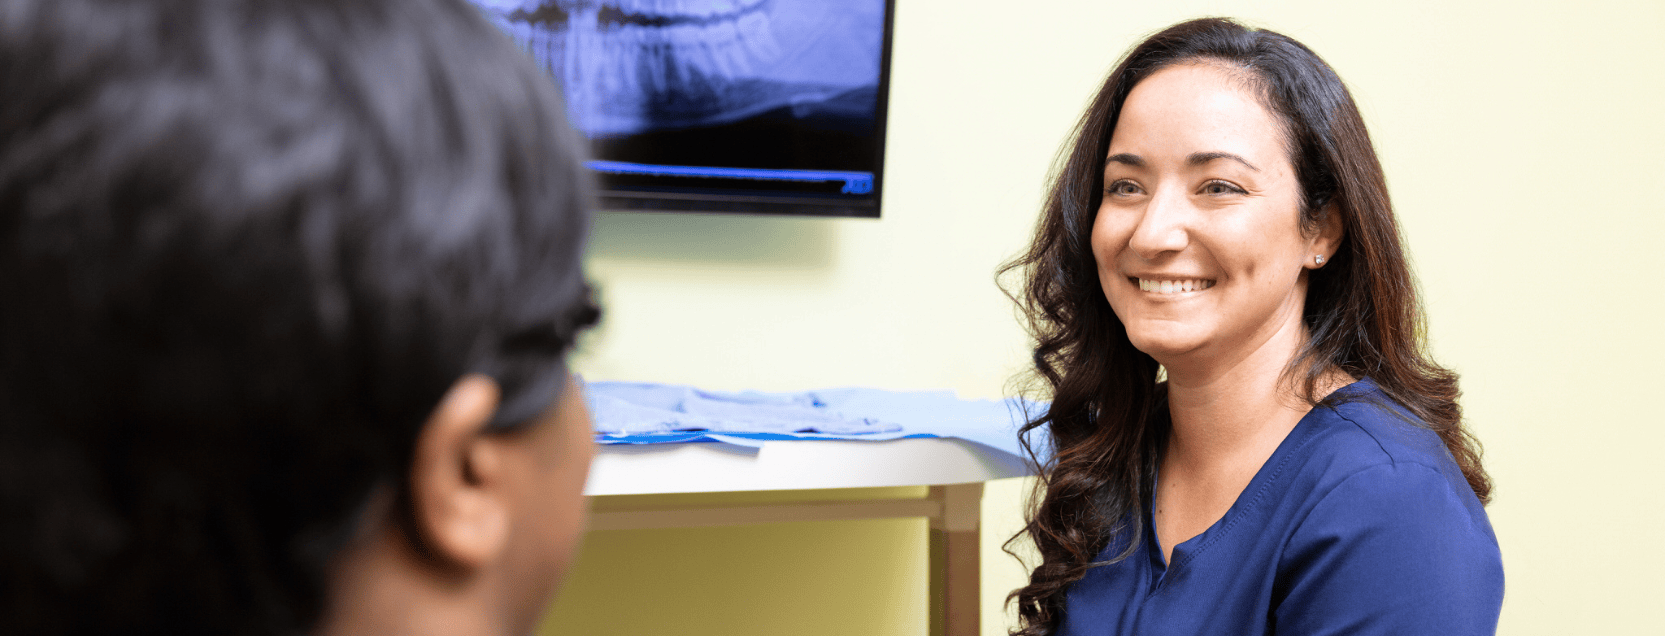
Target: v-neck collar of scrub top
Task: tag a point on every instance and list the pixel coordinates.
(1247, 500)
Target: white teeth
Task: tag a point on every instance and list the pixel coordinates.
(1174, 286)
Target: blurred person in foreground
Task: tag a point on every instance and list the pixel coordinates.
(286, 289)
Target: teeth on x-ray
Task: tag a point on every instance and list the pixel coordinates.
(696, 9)
(633, 66)
(673, 59)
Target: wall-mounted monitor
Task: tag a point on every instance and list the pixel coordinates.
(763, 106)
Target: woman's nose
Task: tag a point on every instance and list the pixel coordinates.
(1162, 227)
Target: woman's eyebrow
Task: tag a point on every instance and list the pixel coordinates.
(1125, 158)
(1200, 158)
(1196, 159)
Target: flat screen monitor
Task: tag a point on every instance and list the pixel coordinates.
(765, 106)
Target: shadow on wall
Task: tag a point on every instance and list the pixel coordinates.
(772, 242)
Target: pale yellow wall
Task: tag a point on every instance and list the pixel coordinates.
(1525, 148)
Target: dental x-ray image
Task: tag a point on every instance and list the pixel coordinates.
(726, 101)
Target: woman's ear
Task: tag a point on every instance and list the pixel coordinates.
(1327, 240)
(460, 507)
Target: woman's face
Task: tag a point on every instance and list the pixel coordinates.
(1198, 241)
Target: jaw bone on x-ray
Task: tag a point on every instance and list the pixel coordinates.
(636, 66)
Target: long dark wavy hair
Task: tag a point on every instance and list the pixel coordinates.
(1109, 415)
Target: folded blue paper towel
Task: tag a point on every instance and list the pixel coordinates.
(633, 408)
(639, 412)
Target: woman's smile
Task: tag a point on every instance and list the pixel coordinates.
(1171, 286)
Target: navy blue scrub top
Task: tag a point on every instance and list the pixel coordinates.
(1360, 523)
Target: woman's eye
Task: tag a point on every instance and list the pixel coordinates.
(1122, 188)
(1222, 187)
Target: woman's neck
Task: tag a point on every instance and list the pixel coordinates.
(1232, 411)
(1228, 417)
(382, 585)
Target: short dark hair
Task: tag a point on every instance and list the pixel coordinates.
(1108, 415)
(245, 248)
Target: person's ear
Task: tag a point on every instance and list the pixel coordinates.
(460, 507)
(1327, 239)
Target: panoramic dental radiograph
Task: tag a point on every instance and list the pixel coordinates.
(629, 67)
(766, 106)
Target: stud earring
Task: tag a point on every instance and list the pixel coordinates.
(1319, 259)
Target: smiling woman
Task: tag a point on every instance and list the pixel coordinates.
(1200, 252)
(1243, 417)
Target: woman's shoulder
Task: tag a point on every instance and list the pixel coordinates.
(1360, 457)
(1359, 427)
(1360, 449)
(1384, 501)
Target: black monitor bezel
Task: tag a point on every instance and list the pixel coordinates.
(703, 200)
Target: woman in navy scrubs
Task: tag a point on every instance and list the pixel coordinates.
(1248, 435)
